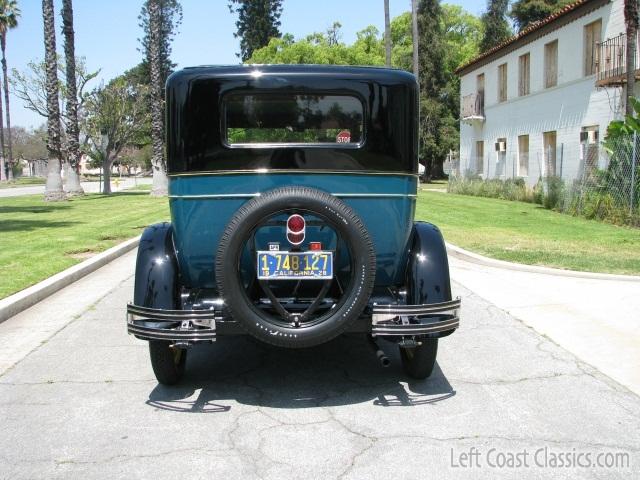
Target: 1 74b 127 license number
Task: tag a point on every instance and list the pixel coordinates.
(295, 265)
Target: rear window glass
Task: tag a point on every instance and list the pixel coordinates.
(275, 118)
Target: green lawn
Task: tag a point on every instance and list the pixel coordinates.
(39, 239)
(434, 185)
(23, 182)
(527, 233)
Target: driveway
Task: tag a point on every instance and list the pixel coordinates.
(78, 400)
(89, 187)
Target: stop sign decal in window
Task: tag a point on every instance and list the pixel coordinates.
(343, 136)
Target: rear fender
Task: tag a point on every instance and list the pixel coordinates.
(427, 277)
(156, 281)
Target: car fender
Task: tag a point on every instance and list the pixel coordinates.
(427, 274)
(156, 280)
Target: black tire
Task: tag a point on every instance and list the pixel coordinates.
(167, 362)
(418, 362)
(342, 219)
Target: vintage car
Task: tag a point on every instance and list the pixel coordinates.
(292, 191)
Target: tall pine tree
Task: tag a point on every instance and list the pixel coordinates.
(437, 125)
(496, 26)
(258, 22)
(526, 12)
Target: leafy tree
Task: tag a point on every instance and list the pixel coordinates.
(53, 187)
(526, 12)
(72, 129)
(258, 22)
(496, 26)
(170, 12)
(9, 13)
(115, 120)
(30, 145)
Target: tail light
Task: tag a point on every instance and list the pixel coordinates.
(295, 229)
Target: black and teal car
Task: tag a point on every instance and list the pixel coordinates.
(292, 191)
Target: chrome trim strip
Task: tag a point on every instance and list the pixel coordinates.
(296, 171)
(178, 315)
(252, 195)
(416, 309)
(415, 329)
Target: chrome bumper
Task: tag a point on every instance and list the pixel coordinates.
(172, 325)
(406, 320)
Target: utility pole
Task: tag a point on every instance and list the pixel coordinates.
(387, 34)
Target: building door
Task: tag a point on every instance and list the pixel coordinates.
(549, 141)
(480, 93)
(480, 157)
(501, 157)
(523, 155)
(589, 148)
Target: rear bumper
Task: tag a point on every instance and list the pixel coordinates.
(189, 326)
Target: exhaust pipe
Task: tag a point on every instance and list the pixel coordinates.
(380, 355)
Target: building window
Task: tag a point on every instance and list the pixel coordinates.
(589, 153)
(549, 142)
(551, 64)
(524, 74)
(502, 83)
(592, 36)
(523, 155)
(479, 157)
(501, 156)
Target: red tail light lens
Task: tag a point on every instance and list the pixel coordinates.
(295, 229)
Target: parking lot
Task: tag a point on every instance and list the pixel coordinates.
(84, 404)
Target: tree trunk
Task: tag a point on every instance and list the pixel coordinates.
(3, 166)
(414, 35)
(73, 132)
(3, 46)
(160, 181)
(387, 34)
(631, 26)
(53, 188)
(106, 173)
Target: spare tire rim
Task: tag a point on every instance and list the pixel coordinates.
(293, 311)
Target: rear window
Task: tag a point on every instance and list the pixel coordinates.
(274, 118)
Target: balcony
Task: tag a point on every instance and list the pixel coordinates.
(611, 62)
(473, 108)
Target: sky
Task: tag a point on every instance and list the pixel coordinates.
(107, 33)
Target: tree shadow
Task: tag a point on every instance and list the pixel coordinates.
(33, 209)
(29, 225)
(341, 372)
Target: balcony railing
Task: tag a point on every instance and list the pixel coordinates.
(473, 107)
(611, 61)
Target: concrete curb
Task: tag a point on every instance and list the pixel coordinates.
(28, 297)
(468, 256)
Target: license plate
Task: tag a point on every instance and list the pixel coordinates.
(295, 265)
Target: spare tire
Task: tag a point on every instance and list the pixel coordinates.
(348, 227)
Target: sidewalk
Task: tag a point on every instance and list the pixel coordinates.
(596, 320)
(89, 187)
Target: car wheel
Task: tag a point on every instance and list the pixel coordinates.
(167, 362)
(418, 362)
(290, 318)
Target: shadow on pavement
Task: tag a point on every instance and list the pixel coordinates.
(341, 372)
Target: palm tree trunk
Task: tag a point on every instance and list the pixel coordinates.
(73, 132)
(3, 166)
(160, 182)
(414, 35)
(3, 47)
(387, 34)
(631, 24)
(53, 188)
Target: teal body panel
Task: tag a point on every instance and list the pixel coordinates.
(203, 204)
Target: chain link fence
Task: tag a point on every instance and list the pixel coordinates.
(593, 180)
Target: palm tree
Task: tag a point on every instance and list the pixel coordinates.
(53, 188)
(631, 26)
(387, 34)
(157, 103)
(414, 35)
(9, 13)
(73, 131)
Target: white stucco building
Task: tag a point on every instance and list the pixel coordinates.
(540, 103)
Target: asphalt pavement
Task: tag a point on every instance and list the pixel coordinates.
(89, 187)
(78, 400)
